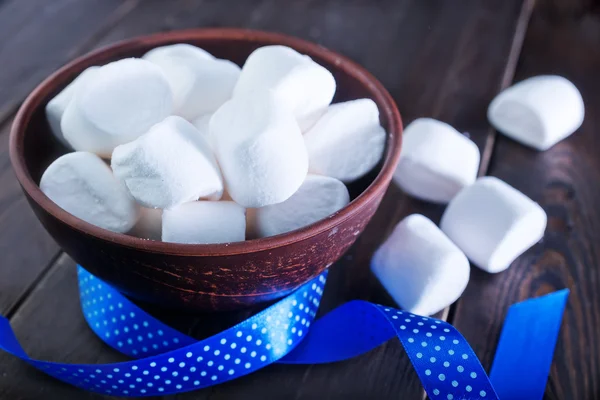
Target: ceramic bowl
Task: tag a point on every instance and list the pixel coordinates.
(211, 277)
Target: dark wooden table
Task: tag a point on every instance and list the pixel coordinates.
(441, 59)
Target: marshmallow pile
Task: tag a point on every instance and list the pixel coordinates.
(181, 146)
(426, 268)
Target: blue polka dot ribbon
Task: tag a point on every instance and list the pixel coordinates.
(166, 361)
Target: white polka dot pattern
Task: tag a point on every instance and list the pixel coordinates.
(440, 353)
(176, 362)
(123, 325)
(171, 362)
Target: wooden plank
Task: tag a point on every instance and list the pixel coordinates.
(50, 326)
(564, 180)
(428, 55)
(25, 246)
(39, 36)
(32, 47)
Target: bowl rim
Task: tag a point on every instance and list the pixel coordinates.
(35, 99)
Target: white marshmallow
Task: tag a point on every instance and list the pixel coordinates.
(83, 185)
(539, 111)
(203, 222)
(149, 225)
(202, 123)
(436, 161)
(57, 106)
(175, 50)
(301, 84)
(170, 165)
(493, 223)
(200, 83)
(346, 142)
(317, 198)
(260, 149)
(119, 102)
(420, 267)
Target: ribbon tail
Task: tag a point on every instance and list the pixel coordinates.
(526, 348)
(442, 358)
(344, 333)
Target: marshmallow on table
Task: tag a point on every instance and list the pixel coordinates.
(304, 86)
(539, 111)
(317, 198)
(259, 148)
(420, 267)
(117, 104)
(57, 106)
(203, 222)
(436, 161)
(493, 223)
(347, 141)
(149, 224)
(200, 82)
(83, 185)
(170, 165)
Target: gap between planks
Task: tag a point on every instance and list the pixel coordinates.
(488, 149)
(25, 295)
(507, 78)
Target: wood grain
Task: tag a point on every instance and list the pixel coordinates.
(25, 246)
(564, 180)
(50, 319)
(39, 36)
(436, 60)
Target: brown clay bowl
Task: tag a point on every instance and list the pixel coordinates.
(204, 277)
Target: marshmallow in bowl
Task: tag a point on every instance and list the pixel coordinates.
(347, 141)
(260, 149)
(298, 82)
(317, 198)
(436, 161)
(539, 111)
(58, 104)
(149, 224)
(175, 50)
(119, 103)
(169, 165)
(493, 223)
(420, 267)
(202, 124)
(204, 222)
(83, 185)
(200, 82)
